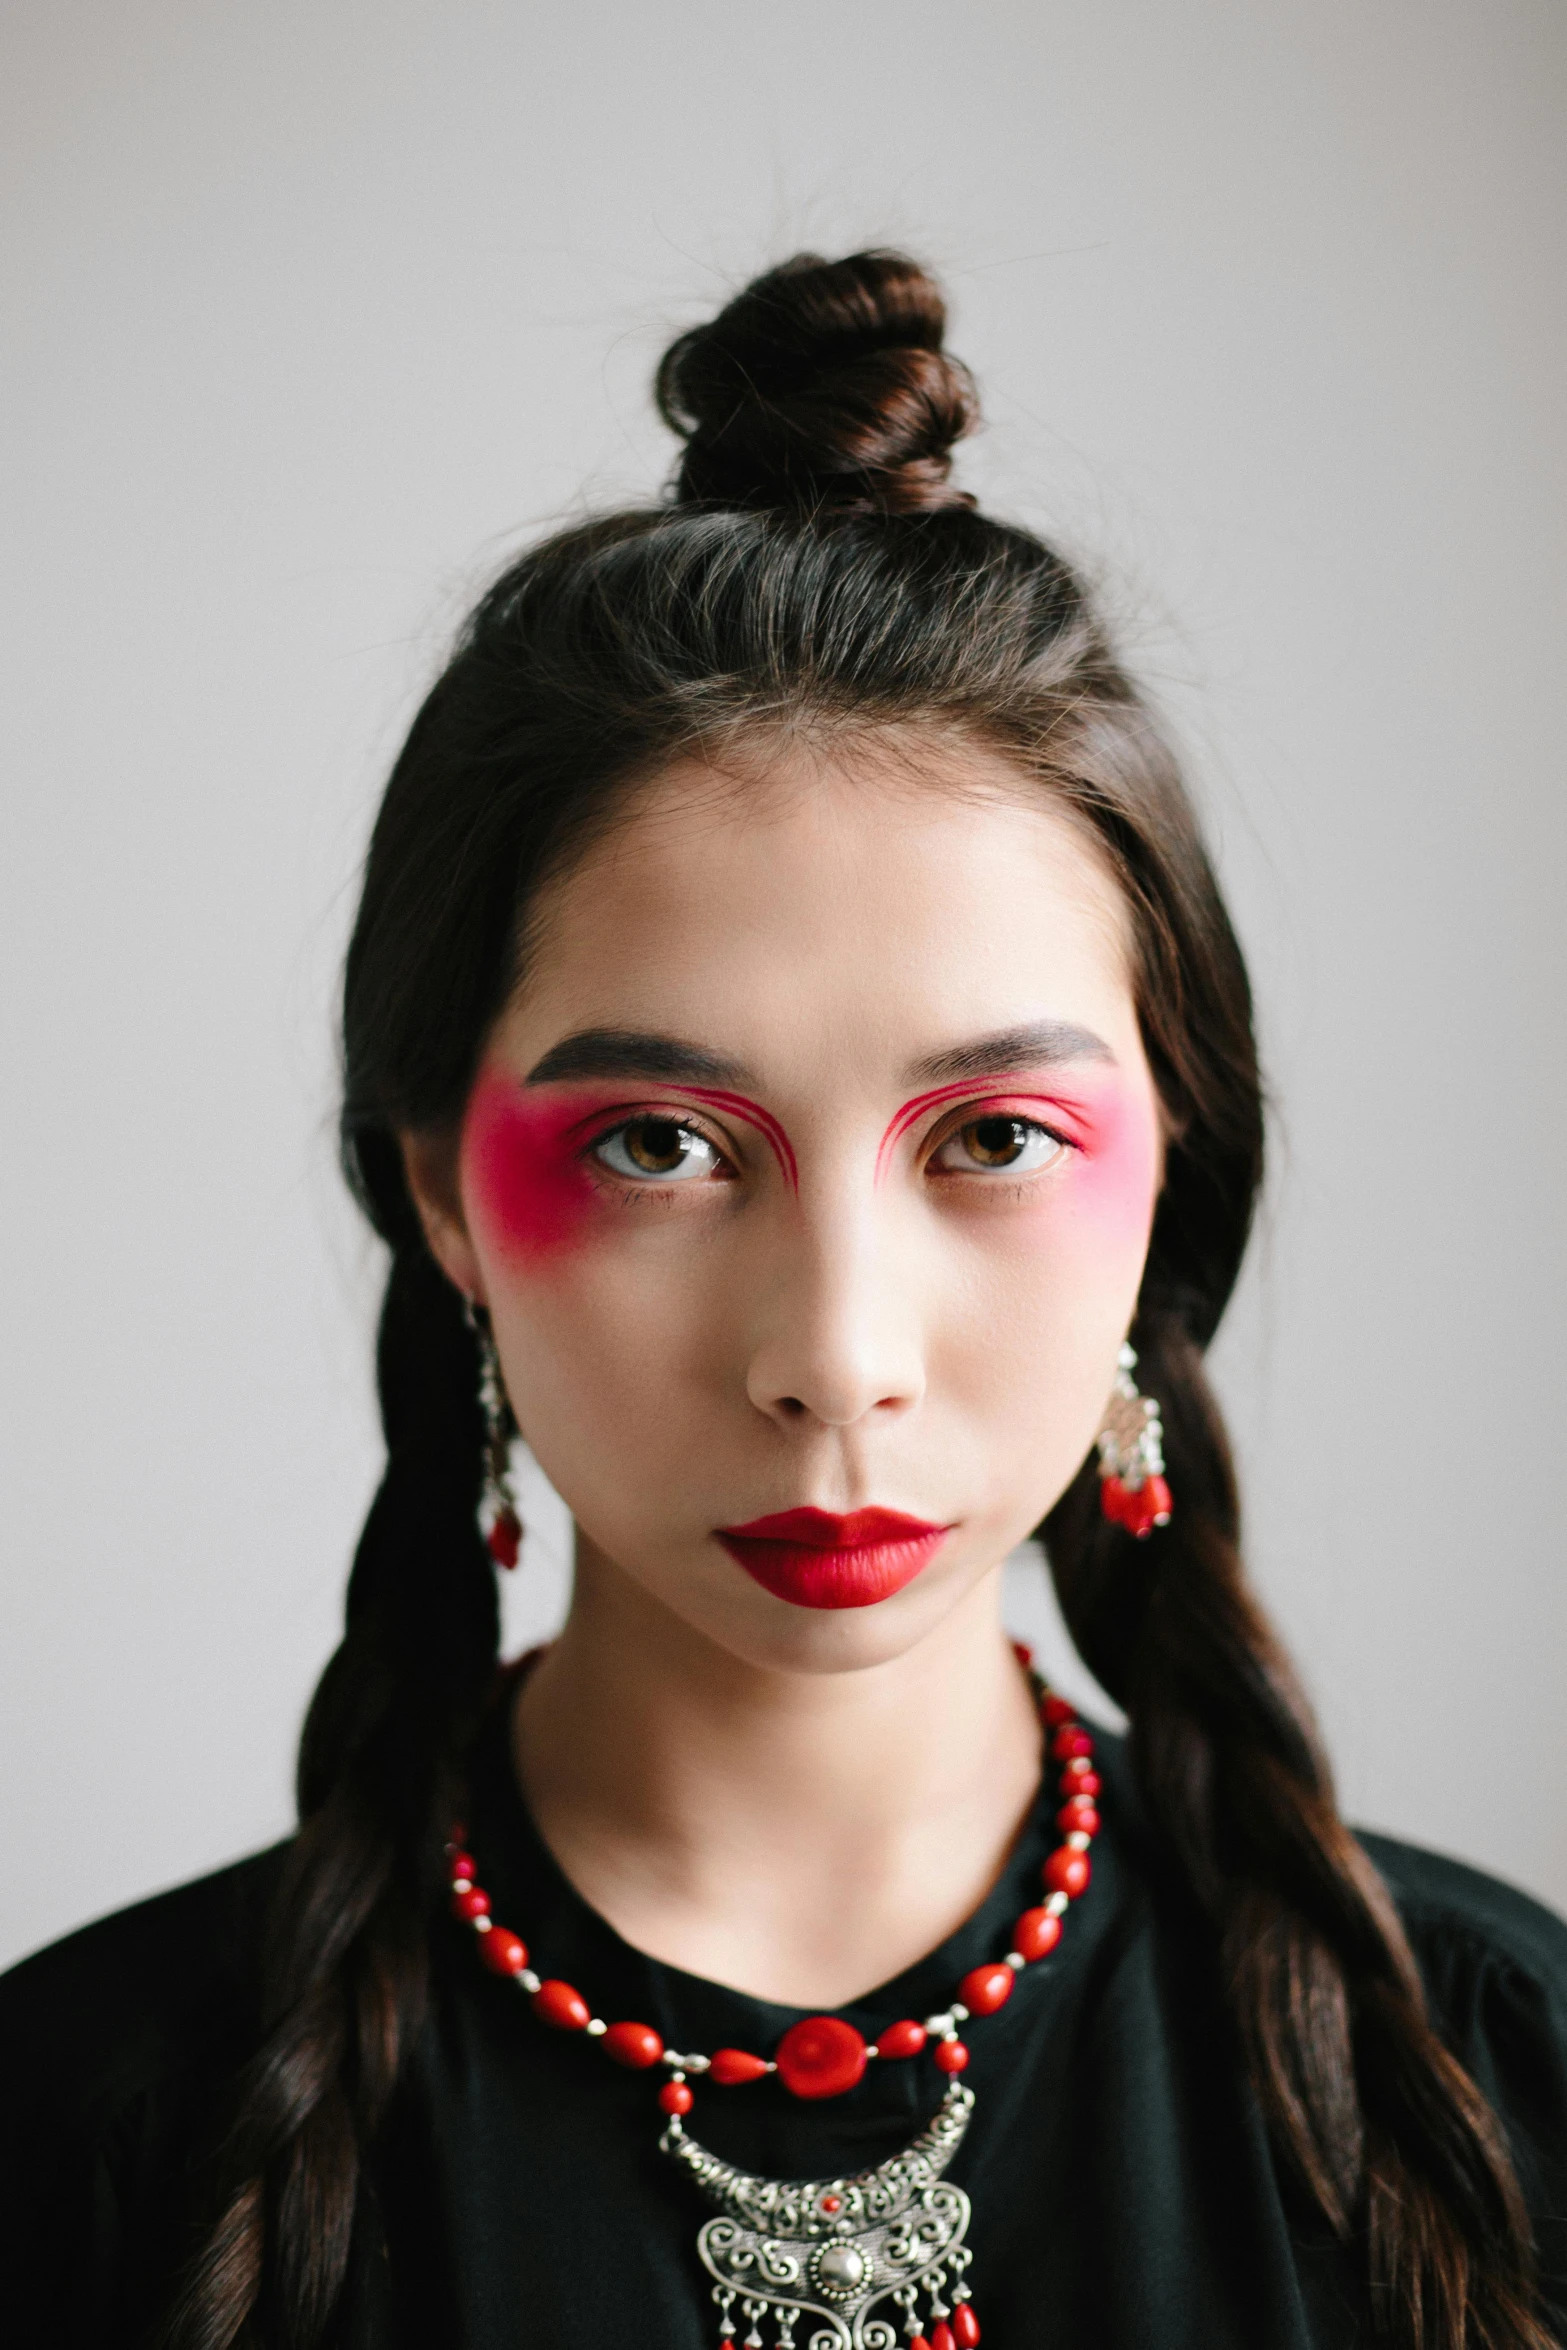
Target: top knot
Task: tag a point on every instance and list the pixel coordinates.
(822, 385)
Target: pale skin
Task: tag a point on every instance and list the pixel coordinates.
(795, 1801)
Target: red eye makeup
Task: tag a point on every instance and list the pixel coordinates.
(527, 1154)
(1054, 1110)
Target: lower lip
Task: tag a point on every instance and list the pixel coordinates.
(856, 1575)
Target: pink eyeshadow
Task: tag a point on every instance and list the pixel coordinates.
(521, 1165)
(522, 1154)
(1113, 1129)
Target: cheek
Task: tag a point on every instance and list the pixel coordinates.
(1092, 1216)
(524, 1188)
(1115, 1182)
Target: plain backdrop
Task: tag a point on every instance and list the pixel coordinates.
(315, 312)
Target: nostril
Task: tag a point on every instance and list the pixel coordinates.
(791, 1407)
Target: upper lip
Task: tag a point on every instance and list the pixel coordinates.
(825, 1530)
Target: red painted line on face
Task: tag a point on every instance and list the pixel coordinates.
(989, 1095)
(751, 1113)
(524, 1154)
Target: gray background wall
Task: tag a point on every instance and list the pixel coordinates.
(314, 311)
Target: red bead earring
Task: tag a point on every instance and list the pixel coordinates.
(498, 1520)
(1132, 1490)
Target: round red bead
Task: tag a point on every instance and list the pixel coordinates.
(1036, 1933)
(475, 1903)
(1059, 1710)
(951, 2055)
(560, 2005)
(1078, 1818)
(634, 2045)
(1023, 1653)
(675, 2097)
(831, 2203)
(1079, 1782)
(502, 1953)
(941, 2336)
(820, 2057)
(1067, 1743)
(463, 1865)
(730, 2066)
(965, 2326)
(905, 2039)
(985, 1988)
(1067, 1871)
(504, 1539)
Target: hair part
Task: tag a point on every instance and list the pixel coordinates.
(816, 572)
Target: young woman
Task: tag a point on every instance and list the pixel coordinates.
(794, 1050)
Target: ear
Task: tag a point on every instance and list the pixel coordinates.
(430, 1164)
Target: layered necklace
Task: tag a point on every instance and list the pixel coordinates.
(829, 2251)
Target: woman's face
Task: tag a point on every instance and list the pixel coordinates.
(812, 1170)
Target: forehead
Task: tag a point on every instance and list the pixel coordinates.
(859, 903)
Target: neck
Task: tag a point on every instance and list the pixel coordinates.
(800, 1836)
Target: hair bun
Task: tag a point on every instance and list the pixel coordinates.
(823, 384)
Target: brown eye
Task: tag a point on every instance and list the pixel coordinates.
(999, 1146)
(995, 1142)
(657, 1150)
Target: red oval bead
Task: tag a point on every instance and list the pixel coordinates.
(941, 2336)
(504, 1539)
(463, 1864)
(1081, 1782)
(1059, 1710)
(965, 2326)
(820, 2057)
(559, 2004)
(730, 2066)
(634, 2045)
(503, 1953)
(1157, 1502)
(1067, 1871)
(1036, 1933)
(1078, 1818)
(675, 2097)
(475, 1903)
(905, 2039)
(1067, 1743)
(951, 2055)
(985, 1988)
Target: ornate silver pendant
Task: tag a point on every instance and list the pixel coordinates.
(828, 2250)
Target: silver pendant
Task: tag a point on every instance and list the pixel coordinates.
(828, 2250)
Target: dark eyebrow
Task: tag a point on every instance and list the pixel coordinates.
(1044, 1043)
(627, 1052)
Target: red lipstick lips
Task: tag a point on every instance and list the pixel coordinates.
(814, 1559)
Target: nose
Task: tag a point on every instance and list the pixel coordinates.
(840, 1337)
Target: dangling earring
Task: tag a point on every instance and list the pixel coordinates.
(1132, 1490)
(498, 1519)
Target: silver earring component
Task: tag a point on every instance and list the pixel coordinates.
(1132, 1488)
(499, 1521)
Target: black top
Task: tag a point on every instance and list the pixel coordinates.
(1124, 2196)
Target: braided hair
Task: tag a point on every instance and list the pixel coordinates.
(814, 568)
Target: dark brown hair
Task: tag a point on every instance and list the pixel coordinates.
(814, 569)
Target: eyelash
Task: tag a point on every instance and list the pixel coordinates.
(632, 1185)
(972, 1114)
(980, 1114)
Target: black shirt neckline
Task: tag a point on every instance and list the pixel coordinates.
(761, 2123)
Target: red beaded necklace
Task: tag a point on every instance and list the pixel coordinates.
(830, 2249)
